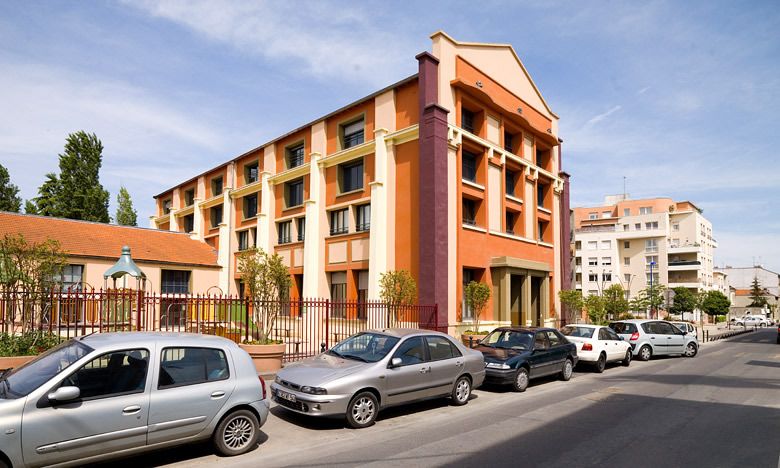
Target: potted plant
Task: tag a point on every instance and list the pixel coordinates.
(477, 296)
(267, 282)
(16, 350)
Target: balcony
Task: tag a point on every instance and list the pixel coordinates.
(684, 265)
(684, 283)
(596, 229)
(681, 249)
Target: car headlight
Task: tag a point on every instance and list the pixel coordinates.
(278, 380)
(313, 390)
(497, 365)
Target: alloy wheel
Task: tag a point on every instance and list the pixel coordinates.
(363, 410)
(238, 432)
(690, 350)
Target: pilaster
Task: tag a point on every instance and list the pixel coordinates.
(265, 216)
(380, 222)
(312, 243)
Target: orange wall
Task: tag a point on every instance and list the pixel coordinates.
(280, 146)
(332, 125)
(332, 196)
(407, 218)
(407, 107)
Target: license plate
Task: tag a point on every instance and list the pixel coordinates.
(285, 396)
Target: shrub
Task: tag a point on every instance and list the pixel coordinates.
(27, 344)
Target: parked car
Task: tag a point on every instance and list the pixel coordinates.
(597, 345)
(685, 326)
(753, 320)
(650, 338)
(513, 356)
(778, 334)
(108, 395)
(375, 369)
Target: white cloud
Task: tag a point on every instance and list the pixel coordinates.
(598, 118)
(329, 40)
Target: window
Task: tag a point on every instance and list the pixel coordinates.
(626, 244)
(606, 244)
(167, 206)
(606, 214)
(353, 134)
(540, 341)
(468, 277)
(593, 216)
(351, 176)
(651, 225)
(71, 277)
(578, 245)
(541, 229)
(467, 120)
(645, 210)
(251, 173)
(440, 348)
(189, 197)
(540, 191)
(188, 366)
(508, 141)
(510, 222)
(338, 292)
(411, 351)
(111, 374)
(295, 156)
(469, 166)
(294, 193)
(189, 223)
(175, 282)
(593, 245)
(283, 229)
(638, 226)
(651, 259)
(593, 261)
(651, 245)
(509, 180)
(627, 261)
(606, 276)
(362, 293)
(216, 216)
(578, 261)
(593, 277)
(676, 226)
(606, 261)
(626, 211)
(627, 278)
(654, 278)
(216, 186)
(625, 227)
(553, 338)
(363, 217)
(338, 222)
(469, 212)
(301, 225)
(250, 206)
(243, 240)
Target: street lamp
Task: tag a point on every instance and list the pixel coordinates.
(652, 291)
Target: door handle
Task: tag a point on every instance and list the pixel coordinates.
(218, 394)
(425, 370)
(131, 410)
(652, 337)
(458, 363)
(668, 337)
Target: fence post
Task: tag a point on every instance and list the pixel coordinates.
(246, 319)
(138, 309)
(327, 319)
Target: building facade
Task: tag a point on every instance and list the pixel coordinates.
(633, 242)
(453, 174)
(740, 279)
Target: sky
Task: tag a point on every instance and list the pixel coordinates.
(680, 98)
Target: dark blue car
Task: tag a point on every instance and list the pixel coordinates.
(513, 356)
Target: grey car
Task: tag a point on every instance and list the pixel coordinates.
(376, 369)
(650, 338)
(114, 394)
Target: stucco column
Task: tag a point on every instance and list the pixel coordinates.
(173, 222)
(377, 245)
(545, 300)
(526, 300)
(264, 218)
(225, 254)
(197, 220)
(311, 241)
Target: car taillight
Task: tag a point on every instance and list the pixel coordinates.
(634, 336)
(587, 347)
(262, 384)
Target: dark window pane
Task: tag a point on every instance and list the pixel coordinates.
(216, 216)
(363, 215)
(508, 140)
(338, 222)
(189, 197)
(295, 193)
(243, 240)
(467, 119)
(116, 373)
(301, 229)
(284, 232)
(216, 186)
(187, 366)
(439, 348)
(469, 212)
(469, 169)
(411, 351)
(295, 156)
(251, 173)
(189, 223)
(510, 183)
(352, 177)
(175, 282)
(353, 134)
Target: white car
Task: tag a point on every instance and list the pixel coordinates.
(757, 320)
(598, 345)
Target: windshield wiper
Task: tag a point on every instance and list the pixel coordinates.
(352, 356)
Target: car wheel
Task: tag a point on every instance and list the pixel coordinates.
(237, 433)
(520, 383)
(461, 392)
(627, 359)
(568, 369)
(362, 410)
(645, 353)
(601, 364)
(690, 350)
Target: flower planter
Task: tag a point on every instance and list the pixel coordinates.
(267, 358)
(466, 338)
(14, 361)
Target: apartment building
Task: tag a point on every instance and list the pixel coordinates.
(453, 174)
(633, 242)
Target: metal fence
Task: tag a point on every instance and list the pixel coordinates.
(304, 325)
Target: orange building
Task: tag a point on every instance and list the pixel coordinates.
(453, 174)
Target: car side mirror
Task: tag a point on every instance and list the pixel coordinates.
(396, 362)
(64, 394)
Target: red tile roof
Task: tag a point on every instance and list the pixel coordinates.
(88, 239)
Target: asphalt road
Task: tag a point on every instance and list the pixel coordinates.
(721, 408)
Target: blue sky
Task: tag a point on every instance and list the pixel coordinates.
(681, 98)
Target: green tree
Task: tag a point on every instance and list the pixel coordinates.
(655, 297)
(572, 301)
(268, 282)
(9, 193)
(639, 303)
(477, 296)
(80, 194)
(125, 214)
(715, 303)
(594, 305)
(47, 201)
(615, 302)
(684, 301)
(397, 288)
(757, 298)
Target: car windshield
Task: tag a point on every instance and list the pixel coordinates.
(19, 382)
(577, 332)
(366, 347)
(509, 339)
(623, 328)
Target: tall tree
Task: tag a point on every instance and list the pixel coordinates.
(715, 303)
(757, 298)
(684, 301)
(615, 302)
(80, 194)
(125, 214)
(46, 203)
(9, 193)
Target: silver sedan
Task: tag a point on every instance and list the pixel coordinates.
(376, 369)
(115, 394)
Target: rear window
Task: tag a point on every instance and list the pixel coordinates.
(623, 328)
(577, 332)
(188, 366)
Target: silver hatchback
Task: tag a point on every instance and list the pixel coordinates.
(113, 394)
(376, 369)
(650, 338)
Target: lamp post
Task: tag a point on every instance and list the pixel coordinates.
(652, 291)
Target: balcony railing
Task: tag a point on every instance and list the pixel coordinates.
(684, 263)
(596, 229)
(339, 230)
